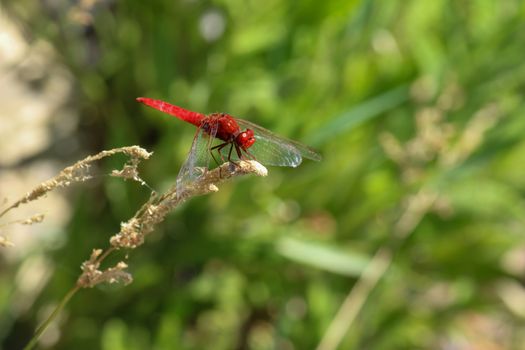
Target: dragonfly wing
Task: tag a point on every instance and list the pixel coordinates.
(198, 159)
(271, 149)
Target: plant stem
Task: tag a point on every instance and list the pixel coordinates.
(356, 299)
(51, 318)
(417, 207)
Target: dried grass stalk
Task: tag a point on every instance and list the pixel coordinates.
(78, 172)
(133, 232)
(4, 242)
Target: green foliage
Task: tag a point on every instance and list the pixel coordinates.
(400, 97)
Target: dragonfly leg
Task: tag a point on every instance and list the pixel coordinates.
(230, 154)
(218, 148)
(238, 150)
(251, 156)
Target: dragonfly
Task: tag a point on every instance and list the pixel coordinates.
(231, 139)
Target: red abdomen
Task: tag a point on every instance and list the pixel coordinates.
(176, 111)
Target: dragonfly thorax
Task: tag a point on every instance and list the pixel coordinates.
(222, 125)
(225, 128)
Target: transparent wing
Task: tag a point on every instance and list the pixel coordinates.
(272, 149)
(198, 159)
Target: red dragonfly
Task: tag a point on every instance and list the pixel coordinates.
(248, 140)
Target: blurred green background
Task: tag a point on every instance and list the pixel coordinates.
(416, 106)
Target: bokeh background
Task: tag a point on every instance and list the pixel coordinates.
(416, 106)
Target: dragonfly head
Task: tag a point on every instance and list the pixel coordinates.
(245, 139)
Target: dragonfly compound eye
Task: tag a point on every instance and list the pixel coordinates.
(246, 139)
